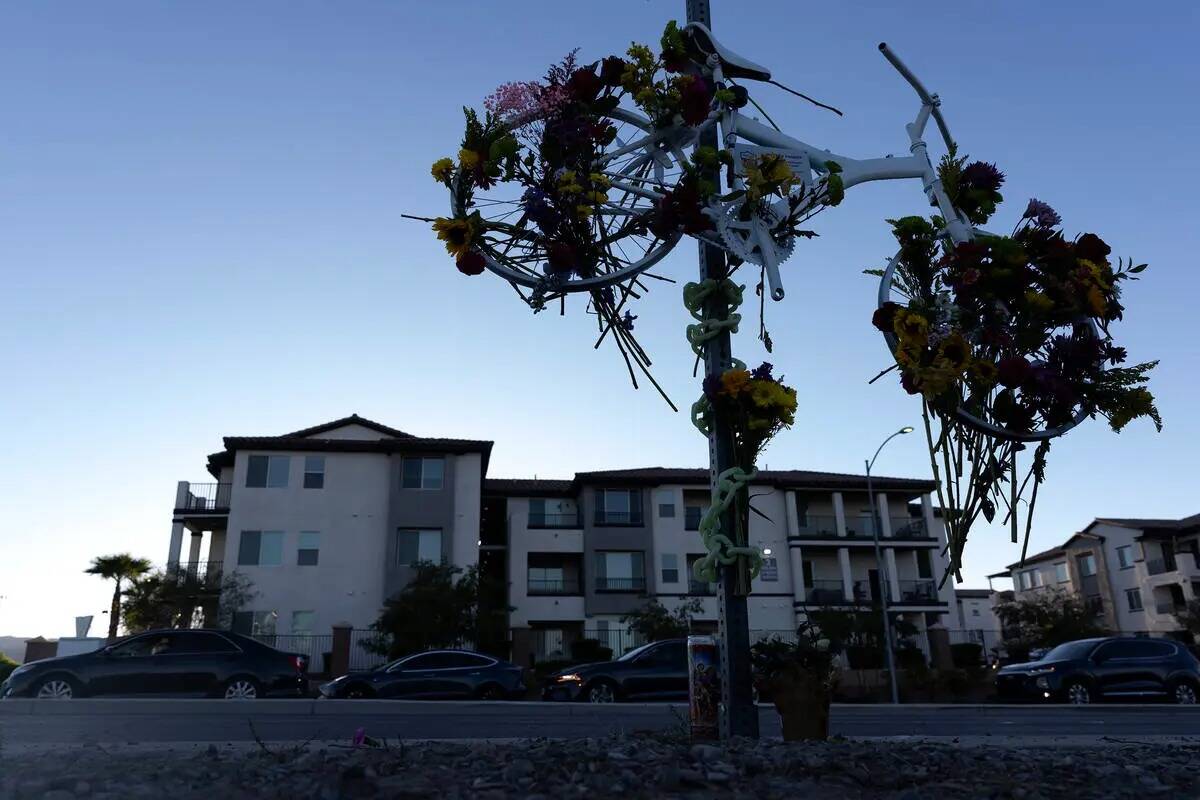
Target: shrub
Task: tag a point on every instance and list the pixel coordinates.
(909, 658)
(966, 654)
(864, 657)
(7, 665)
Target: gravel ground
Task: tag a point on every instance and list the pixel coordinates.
(626, 767)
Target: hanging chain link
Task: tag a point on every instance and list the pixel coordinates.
(721, 548)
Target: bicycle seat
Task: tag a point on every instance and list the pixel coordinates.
(700, 42)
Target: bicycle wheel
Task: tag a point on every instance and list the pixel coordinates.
(525, 234)
(989, 410)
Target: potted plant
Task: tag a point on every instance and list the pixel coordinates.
(799, 678)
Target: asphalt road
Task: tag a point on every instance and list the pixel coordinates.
(119, 721)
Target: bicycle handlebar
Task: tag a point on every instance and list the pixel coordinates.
(922, 92)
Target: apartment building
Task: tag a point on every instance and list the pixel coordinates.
(583, 552)
(975, 618)
(326, 522)
(1136, 573)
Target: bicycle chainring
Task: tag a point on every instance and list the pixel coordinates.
(737, 235)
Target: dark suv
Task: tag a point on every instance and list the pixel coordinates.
(655, 671)
(202, 662)
(1090, 669)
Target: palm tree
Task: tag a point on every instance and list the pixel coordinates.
(117, 567)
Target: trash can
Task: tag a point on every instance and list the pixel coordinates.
(704, 687)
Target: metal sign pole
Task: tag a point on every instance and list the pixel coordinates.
(740, 717)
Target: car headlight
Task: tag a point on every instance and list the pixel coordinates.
(570, 677)
(1041, 671)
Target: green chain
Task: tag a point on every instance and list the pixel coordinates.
(695, 295)
(721, 548)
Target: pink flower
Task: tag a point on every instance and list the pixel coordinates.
(513, 99)
(360, 736)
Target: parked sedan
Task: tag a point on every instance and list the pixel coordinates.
(656, 671)
(434, 675)
(199, 662)
(1091, 669)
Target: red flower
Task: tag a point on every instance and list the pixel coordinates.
(471, 263)
(560, 257)
(584, 85)
(1012, 371)
(885, 316)
(611, 70)
(695, 101)
(1093, 248)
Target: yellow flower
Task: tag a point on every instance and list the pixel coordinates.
(468, 159)
(776, 169)
(567, 176)
(1097, 303)
(597, 197)
(911, 327)
(955, 351)
(734, 381)
(937, 378)
(458, 234)
(1038, 302)
(442, 169)
(982, 373)
(583, 212)
(599, 180)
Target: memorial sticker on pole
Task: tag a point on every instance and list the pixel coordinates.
(580, 183)
(704, 687)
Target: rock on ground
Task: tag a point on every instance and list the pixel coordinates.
(623, 767)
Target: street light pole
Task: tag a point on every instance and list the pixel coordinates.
(884, 583)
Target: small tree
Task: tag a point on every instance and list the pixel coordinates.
(653, 622)
(1046, 619)
(437, 608)
(860, 634)
(236, 590)
(155, 601)
(117, 568)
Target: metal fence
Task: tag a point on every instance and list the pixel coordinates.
(203, 496)
(563, 645)
(314, 646)
(360, 657)
(569, 520)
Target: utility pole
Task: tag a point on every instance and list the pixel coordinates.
(740, 717)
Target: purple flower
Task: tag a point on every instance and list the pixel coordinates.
(360, 735)
(627, 321)
(539, 210)
(1042, 214)
(762, 372)
(982, 175)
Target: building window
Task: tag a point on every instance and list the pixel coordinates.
(618, 507)
(302, 622)
(802, 511)
(1087, 565)
(670, 568)
(255, 623)
(314, 472)
(267, 472)
(1134, 598)
(666, 503)
(308, 551)
(422, 473)
(1125, 556)
(1060, 572)
(807, 569)
(260, 549)
(924, 565)
(620, 571)
(418, 544)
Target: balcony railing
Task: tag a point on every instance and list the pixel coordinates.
(206, 574)
(556, 520)
(1158, 566)
(818, 526)
(620, 584)
(908, 528)
(918, 591)
(825, 593)
(553, 586)
(619, 518)
(203, 497)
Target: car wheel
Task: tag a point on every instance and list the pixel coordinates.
(56, 687)
(602, 692)
(490, 692)
(242, 689)
(1078, 694)
(1184, 694)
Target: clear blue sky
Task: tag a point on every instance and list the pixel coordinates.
(200, 236)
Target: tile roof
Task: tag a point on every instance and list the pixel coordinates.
(527, 486)
(353, 419)
(1144, 524)
(1053, 551)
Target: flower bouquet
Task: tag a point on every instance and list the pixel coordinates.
(1007, 341)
